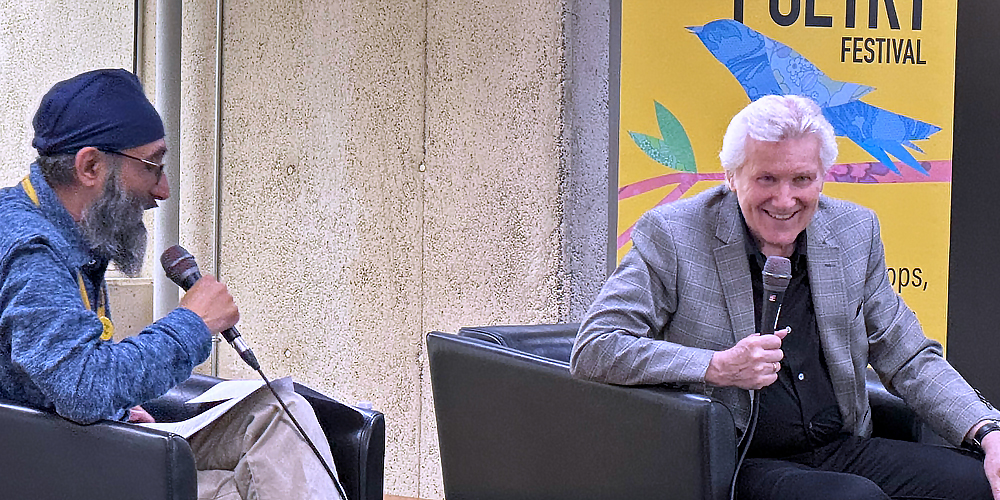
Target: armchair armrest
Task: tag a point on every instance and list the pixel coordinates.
(891, 418)
(109, 460)
(356, 436)
(516, 425)
(114, 460)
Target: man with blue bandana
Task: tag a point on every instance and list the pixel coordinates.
(101, 147)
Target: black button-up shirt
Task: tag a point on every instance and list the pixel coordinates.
(798, 412)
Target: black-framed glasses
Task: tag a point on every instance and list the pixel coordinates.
(156, 168)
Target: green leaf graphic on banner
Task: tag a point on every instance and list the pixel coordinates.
(674, 148)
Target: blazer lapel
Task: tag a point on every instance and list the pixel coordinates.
(734, 270)
(830, 301)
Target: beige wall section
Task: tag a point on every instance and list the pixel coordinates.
(342, 252)
(92, 34)
(492, 185)
(322, 202)
(131, 300)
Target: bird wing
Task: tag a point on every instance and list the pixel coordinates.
(764, 66)
(741, 51)
(796, 75)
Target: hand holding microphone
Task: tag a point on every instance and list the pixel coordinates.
(754, 362)
(208, 298)
(211, 300)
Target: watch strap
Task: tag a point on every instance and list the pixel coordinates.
(988, 427)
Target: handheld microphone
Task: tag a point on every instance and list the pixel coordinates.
(181, 268)
(777, 273)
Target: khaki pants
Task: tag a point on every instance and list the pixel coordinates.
(254, 452)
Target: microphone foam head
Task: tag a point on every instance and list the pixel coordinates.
(178, 264)
(777, 273)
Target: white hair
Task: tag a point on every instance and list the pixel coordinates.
(775, 118)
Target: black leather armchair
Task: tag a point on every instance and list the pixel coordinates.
(47, 457)
(513, 423)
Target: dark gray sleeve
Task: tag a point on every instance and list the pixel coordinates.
(617, 339)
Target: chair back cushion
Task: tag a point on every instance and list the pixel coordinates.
(548, 341)
(356, 436)
(891, 418)
(357, 440)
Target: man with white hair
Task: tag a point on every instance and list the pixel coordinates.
(683, 308)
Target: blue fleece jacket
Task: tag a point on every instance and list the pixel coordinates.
(51, 353)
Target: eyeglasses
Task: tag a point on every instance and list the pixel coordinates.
(156, 168)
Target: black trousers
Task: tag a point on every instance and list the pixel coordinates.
(867, 468)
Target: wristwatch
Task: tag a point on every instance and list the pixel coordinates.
(988, 427)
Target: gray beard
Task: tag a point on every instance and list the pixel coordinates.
(113, 226)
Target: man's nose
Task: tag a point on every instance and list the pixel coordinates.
(784, 197)
(161, 190)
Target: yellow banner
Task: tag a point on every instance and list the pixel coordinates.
(882, 70)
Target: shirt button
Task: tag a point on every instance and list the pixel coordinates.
(802, 376)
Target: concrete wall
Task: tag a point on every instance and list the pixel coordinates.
(90, 34)
(389, 168)
(322, 202)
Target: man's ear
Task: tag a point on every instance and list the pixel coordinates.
(90, 167)
(729, 179)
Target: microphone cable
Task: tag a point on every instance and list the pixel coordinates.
(319, 456)
(180, 266)
(776, 275)
(745, 442)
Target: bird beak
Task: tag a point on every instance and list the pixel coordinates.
(694, 29)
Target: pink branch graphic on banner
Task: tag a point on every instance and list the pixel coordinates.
(854, 173)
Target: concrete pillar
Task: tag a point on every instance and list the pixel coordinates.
(168, 104)
(585, 186)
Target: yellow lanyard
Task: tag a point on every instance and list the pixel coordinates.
(102, 296)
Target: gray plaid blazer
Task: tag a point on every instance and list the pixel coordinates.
(684, 292)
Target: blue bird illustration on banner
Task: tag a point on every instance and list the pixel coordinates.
(764, 66)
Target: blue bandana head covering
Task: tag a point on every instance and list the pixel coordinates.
(105, 108)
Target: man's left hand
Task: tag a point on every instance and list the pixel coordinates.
(138, 415)
(991, 446)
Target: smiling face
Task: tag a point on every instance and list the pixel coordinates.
(778, 189)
